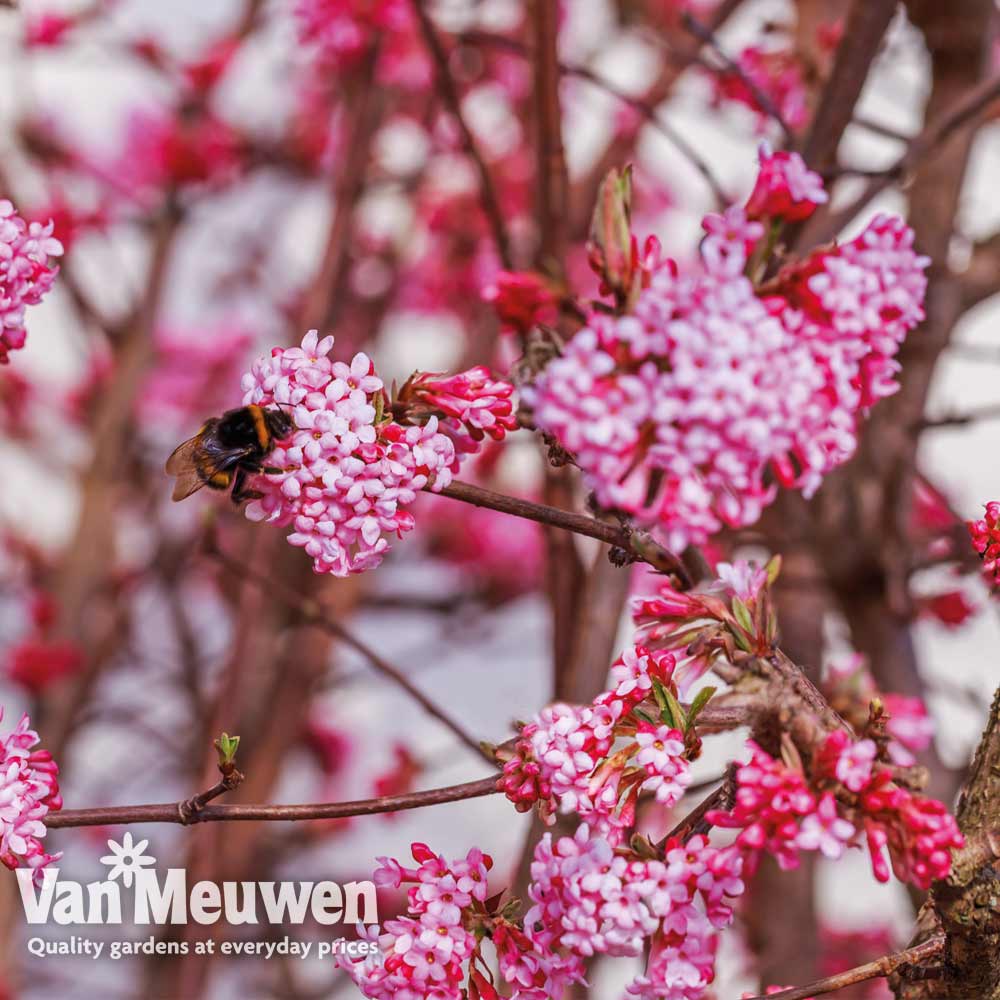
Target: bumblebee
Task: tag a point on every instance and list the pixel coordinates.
(227, 451)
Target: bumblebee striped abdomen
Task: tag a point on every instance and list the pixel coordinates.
(228, 451)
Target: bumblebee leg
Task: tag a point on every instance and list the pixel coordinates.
(241, 489)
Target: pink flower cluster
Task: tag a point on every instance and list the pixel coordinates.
(26, 274)
(777, 809)
(588, 900)
(470, 406)
(909, 725)
(164, 147)
(344, 477)
(342, 32)
(521, 299)
(697, 628)
(986, 539)
(786, 188)
(563, 760)
(777, 74)
(918, 833)
(29, 790)
(422, 953)
(683, 411)
(851, 690)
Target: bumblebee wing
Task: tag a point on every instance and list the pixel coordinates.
(183, 465)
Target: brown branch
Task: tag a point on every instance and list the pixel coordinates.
(878, 969)
(346, 187)
(880, 128)
(642, 105)
(175, 812)
(230, 780)
(972, 105)
(640, 544)
(865, 25)
(312, 613)
(449, 94)
(694, 822)
(990, 412)
(553, 177)
(964, 905)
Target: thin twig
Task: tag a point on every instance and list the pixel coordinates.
(312, 613)
(929, 139)
(879, 128)
(347, 184)
(865, 24)
(705, 34)
(639, 544)
(694, 822)
(648, 110)
(449, 94)
(174, 812)
(881, 967)
(990, 412)
(230, 780)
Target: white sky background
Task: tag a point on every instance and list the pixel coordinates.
(498, 671)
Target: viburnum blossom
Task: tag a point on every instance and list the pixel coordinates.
(951, 608)
(399, 777)
(342, 32)
(29, 790)
(422, 953)
(521, 299)
(46, 28)
(163, 147)
(36, 662)
(683, 412)
(470, 406)
(344, 477)
(26, 273)
(563, 759)
(910, 726)
(855, 302)
(786, 188)
(919, 833)
(777, 74)
(986, 539)
(590, 900)
(697, 628)
(771, 801)
(778, 809)
(848, 761)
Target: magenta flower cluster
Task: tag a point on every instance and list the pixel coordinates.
(26, 273)
(683, 412)
(781, 810)
(343, 480)
(564, 759)
(29, 790)
(587, 899)
(985, 534)
(423, 952)
(590, 900)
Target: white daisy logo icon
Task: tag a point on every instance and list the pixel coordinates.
(126, 859)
